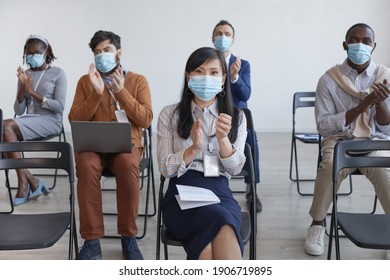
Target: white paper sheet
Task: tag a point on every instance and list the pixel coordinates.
(191, 197)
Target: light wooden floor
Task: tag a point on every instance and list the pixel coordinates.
(282, 224)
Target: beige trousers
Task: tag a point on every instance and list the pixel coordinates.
(323, 189)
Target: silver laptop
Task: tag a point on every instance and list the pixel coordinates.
(101, 137)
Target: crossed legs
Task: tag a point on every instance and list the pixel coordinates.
(12, 134)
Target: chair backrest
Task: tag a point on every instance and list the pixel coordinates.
(249, 169)
(250, 126)
(352, 154)
(303, 99)
(249, 119)
(249, 165)
(36, 160)
(147, 141)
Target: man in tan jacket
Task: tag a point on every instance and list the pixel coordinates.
(108, 93)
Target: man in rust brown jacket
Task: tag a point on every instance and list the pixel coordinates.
(110, 94)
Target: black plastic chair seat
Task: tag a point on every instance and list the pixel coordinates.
(168, 239)
(366, 230)
(44, 230)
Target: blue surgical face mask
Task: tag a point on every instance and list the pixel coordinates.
(205, 87)
(359, 53)
(36, 60)
(223, 43)
(105, 62)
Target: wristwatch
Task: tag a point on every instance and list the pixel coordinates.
(43, 100)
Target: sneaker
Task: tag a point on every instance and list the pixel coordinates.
(314, 243)
(259, 206)
(130, 249)
(91, 250)
(387, 256)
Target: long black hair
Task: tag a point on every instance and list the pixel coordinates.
(225, 101)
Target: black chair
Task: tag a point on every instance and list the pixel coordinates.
(305, 100)
(61, 138)
(365, 230)
(7, 185)
(301, 100)
(251, 128)
(249, 220)
(39, 230)
(147, 172)
(349, 191)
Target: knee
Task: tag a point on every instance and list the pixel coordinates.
(125, 164)
(9, 131)
(88, 163)
(128, 167)
(326, 165)
(379, 176)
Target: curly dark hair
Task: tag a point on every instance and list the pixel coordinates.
(101, 36)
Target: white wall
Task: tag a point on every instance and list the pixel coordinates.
(289, 43)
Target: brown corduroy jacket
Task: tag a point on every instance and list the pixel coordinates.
(134, 99)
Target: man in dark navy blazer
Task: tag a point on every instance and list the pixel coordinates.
(240, 83)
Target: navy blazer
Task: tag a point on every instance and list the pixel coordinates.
(241, 90)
